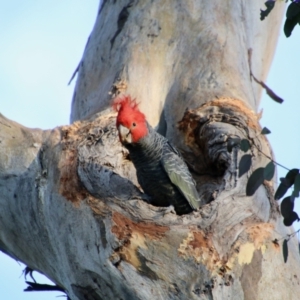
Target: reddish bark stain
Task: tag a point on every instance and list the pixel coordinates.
(70, 185)
(124, 228)
(227, 107)
(200, 241)
(133, 236)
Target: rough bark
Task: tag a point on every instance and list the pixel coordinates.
(71, 206)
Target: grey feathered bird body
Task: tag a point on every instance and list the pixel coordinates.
(163, 174)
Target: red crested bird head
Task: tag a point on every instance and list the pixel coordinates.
(131, 122)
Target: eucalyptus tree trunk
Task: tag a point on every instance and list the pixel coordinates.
(71, 206)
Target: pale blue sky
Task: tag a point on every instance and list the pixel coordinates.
(41, 45)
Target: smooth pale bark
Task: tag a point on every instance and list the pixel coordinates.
(70, 203)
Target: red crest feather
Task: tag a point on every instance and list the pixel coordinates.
(128, 110)
(124, 101)
(129, 113)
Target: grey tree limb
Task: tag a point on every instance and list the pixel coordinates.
(71, 206)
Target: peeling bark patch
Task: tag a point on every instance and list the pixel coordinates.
(234, 105)
(72, 137)
(260, 234)
(92, 164)
(227, 110)
(70, 185)
(251, 275)
(200, 247)
(129, 251)
(133, 236)
(125, 227)
(246, 253)
(98, 207)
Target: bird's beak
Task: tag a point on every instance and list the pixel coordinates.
(125, 135)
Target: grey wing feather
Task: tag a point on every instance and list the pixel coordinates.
(180, 176)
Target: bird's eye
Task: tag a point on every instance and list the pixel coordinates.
(133, 124)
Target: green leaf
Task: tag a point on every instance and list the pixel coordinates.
(292, 18)
(254, 181)
(286, 183)
(293, 10)
(269, 6)
(289, 26)
(245, 164)
(232, 142)
(285, 250)
(291, 175)
(265, 130)
(295, 194)
(269, 171)
(291, 219)
(245, 145)
(287, 207)
(297, 184)
(281, 190)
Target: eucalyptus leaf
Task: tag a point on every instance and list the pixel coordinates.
(295, 194)
(254, 181)
(293, 10)
(245, 164)
(291, 175)
(291, 219)
(265, 130)
(289, 26)
(287, 207)
(281, 190)
(297, 184)
(269, 171)
(286, 183)
(292, 18)
(245, 145)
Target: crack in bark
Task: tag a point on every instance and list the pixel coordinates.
(122, 19)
